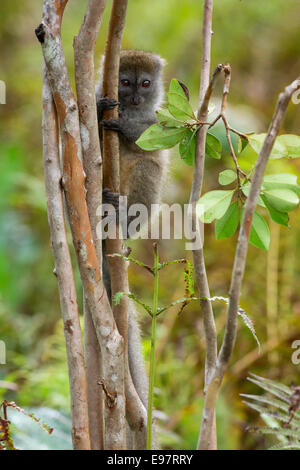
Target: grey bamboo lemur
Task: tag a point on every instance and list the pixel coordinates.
(141, 173)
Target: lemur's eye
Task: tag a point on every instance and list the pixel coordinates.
(146, 83)
(125, 82)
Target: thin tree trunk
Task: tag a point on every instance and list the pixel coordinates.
(64, 272)
(111, 343)
(84, 45)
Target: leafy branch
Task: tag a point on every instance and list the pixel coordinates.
(6, 441)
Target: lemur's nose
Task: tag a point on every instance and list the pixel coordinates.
(136, 100)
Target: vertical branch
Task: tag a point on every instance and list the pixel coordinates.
(84, 45)
(200, 270)
(240, 263)
(112, 345)
(110, 88)
(118, 267)
(198, 255)
(136, 412)
(64, 272)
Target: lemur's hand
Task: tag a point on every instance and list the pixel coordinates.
(103, 104)
(111, 124)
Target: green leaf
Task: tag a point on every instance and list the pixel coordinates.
(179, 107)
(118, 297)
(281, 181)
(166, 119)
(246, 191)
(157, 137)
(213, 205)
(281, 218)
(256, 142)
(260, 233)
(175, 87)
(284, 389)
(284, 200)
(242, 144)
(227, 177)
(187, 147)
(227, 225)
(213, 147)
(178, 103)
(292, 143)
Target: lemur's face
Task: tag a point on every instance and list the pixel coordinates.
(137, 88)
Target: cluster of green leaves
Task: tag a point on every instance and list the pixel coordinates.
(279, 410)
(178, 125)
(279, 195)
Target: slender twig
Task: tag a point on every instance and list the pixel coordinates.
(228, 129)
(199, 263)
(84, 45)
(112, 345)
(240, 263)
(64, 272)
(153, 345)
(198, 255)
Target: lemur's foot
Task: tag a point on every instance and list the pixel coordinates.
(111, 124)
(108, 197)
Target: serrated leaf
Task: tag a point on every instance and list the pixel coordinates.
(276, 385)
(270, 388)
(267, 401)
(213, 205)
(158, 137)
(166, 119)
(227, 225)
(292, 143)
(284, 200)
(213, 147)
(256, 142)
(187, 147)
(281, 218)
(227, 177)
(281, 181)
(260, 233)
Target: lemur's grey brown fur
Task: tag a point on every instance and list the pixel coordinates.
(141, 173)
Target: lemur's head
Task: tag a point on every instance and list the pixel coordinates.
(140, 79)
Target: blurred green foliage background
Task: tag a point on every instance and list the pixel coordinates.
(261, 41)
